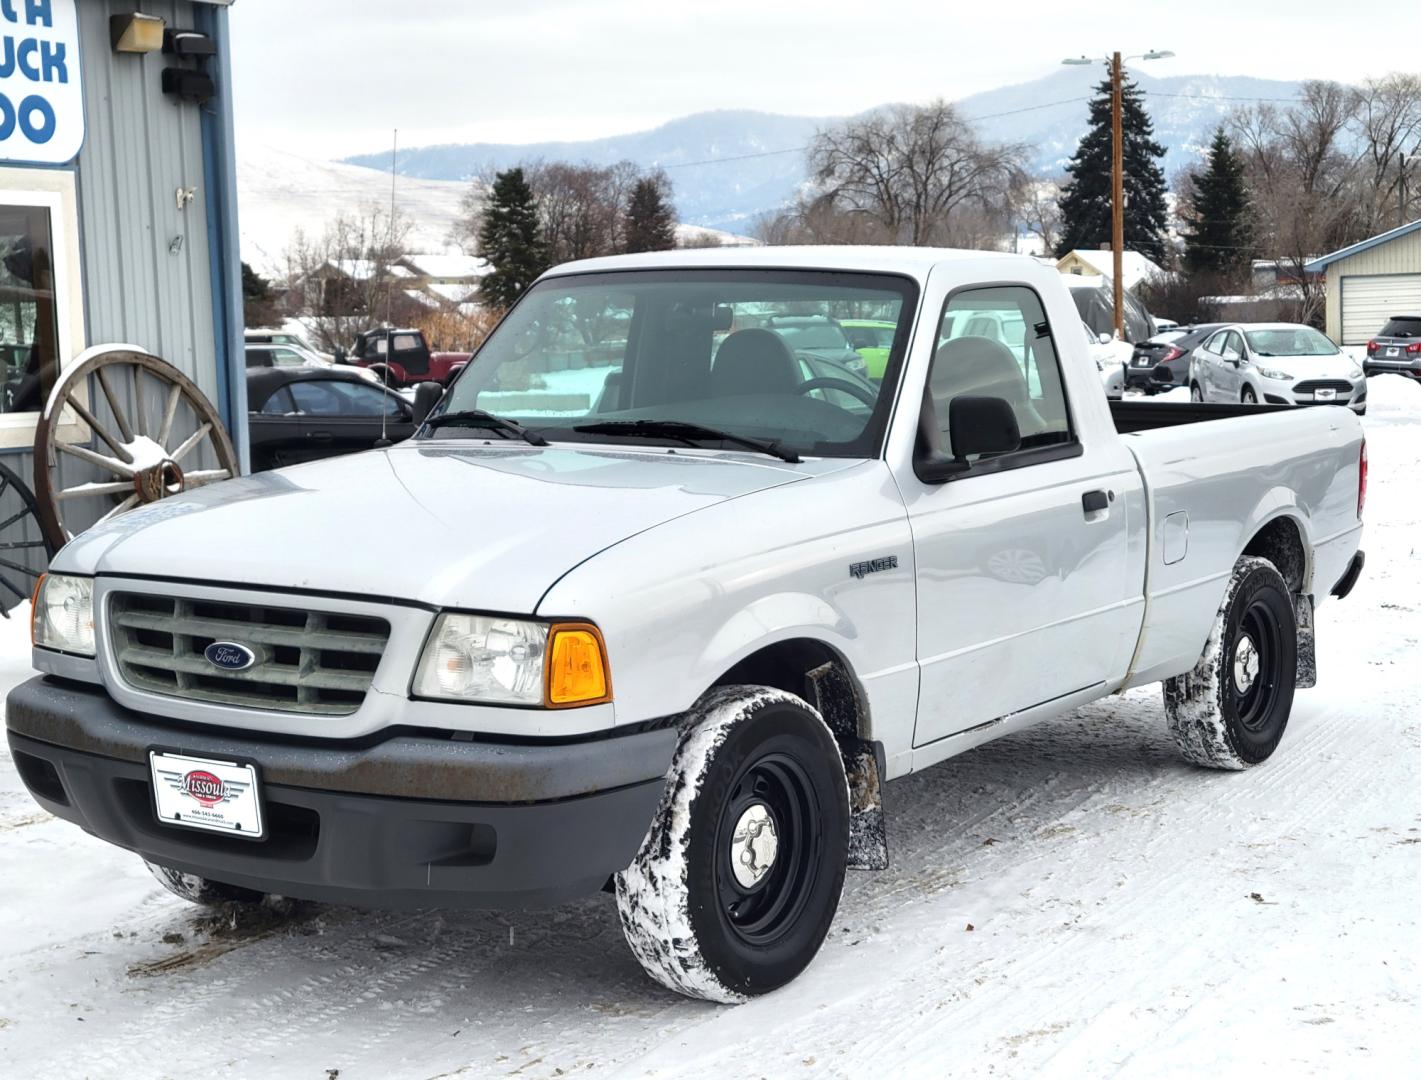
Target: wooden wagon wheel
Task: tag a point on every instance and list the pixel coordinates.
(24, 553)
(139, 441)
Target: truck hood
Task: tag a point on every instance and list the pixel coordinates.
(447, 523)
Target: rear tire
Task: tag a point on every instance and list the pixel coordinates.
(739, 877)
(1231, 710)
(201, 890)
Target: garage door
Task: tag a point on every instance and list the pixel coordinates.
(1367, 303)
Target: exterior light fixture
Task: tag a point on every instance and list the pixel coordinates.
(189, 44)
(136, 33)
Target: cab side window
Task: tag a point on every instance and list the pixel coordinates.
(997, 342)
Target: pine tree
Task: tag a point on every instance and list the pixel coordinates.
(1085, 200)
(511, 240)
(1218, 237)
(651, 222)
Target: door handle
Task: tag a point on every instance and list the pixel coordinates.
(319, 436)
(1093, 502)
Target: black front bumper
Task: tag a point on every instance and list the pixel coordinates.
(415, 820)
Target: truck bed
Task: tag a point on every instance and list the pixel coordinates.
(1133, 416)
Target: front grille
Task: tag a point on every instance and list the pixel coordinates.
(1312, 386)
(306, 661)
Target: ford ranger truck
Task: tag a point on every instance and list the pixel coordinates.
(671, 632)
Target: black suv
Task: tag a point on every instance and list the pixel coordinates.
(1397, 348)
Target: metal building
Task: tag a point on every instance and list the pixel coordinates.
(117, 206)
(1369, 282)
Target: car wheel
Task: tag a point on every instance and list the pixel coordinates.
(201, 890)
(1248, 396)
(739, 877)
(1231, 710)
(1195, 393)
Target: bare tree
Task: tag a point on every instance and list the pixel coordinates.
(344, 281)
(1388, 119)
(914, 170)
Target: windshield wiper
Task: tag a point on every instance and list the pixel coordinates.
(690, 434)
(478, 418)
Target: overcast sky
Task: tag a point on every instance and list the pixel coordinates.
(333, 77)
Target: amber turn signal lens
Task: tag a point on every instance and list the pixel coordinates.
(577, 666)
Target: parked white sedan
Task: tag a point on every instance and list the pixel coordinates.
(1275, 364)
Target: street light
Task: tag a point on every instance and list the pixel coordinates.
(1117, 172)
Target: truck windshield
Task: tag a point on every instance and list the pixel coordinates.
(700, 347)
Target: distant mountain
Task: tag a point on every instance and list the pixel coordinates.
(757, 159)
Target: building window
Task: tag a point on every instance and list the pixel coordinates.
(29, 318)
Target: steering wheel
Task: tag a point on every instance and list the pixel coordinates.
(866, 396)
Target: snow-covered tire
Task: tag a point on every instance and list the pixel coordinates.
(201, 890)
(1231, 710)
(747, 755)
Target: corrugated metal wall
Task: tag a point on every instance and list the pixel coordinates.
(146, 264)
(1399, 256)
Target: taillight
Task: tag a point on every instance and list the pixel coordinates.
(1371, 346)
(1173, 354)
(1362, 481)
(1415, 347)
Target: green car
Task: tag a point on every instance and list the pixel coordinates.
(871, 339)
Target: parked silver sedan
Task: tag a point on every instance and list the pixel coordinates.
(1275, 364)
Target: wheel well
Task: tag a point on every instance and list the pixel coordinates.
(1281, 543)
(813, 671)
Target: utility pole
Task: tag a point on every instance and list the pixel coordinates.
(1117, 172)
(1117, 194)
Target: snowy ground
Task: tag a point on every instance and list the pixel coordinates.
(1069, 901)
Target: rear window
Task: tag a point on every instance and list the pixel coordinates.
(1402, 327)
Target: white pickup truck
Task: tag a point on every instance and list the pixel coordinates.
(655, 602)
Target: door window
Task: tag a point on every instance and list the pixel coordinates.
(997, 343)
(1232, 346)
(332, 398)
(279, 404)
(29, 321)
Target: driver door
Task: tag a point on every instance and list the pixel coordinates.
(1230, 382)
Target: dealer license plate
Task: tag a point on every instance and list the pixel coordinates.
(199, 793)
(1393, 352)
(1325, 395)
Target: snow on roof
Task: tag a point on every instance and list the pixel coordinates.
(421, 298)
(448, 266)
(363, 269)
(453, 292)
(1134, 267)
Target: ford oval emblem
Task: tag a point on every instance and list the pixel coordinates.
(229, 656)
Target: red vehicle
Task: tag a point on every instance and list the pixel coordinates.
(409, 361)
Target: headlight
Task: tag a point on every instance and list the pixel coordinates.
(501, 661)
(1268, 373)
(63, 616)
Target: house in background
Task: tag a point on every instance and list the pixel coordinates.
(1369, 282)
(1136, 269)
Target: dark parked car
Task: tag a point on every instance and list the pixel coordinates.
(411, 360)
(1170, 348)
(1397, 348)
(297, 414)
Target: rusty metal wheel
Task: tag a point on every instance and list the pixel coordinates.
(153, 435)
(24, 552)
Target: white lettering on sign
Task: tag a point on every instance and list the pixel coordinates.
(41, 99)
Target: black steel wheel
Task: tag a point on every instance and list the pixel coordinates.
(738, 880)
(24, 551)
(1231, 710)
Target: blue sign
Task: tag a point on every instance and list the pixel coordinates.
(41, 95)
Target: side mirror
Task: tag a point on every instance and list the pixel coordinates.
(426, 396)
(1104, 338)
(976, 425)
